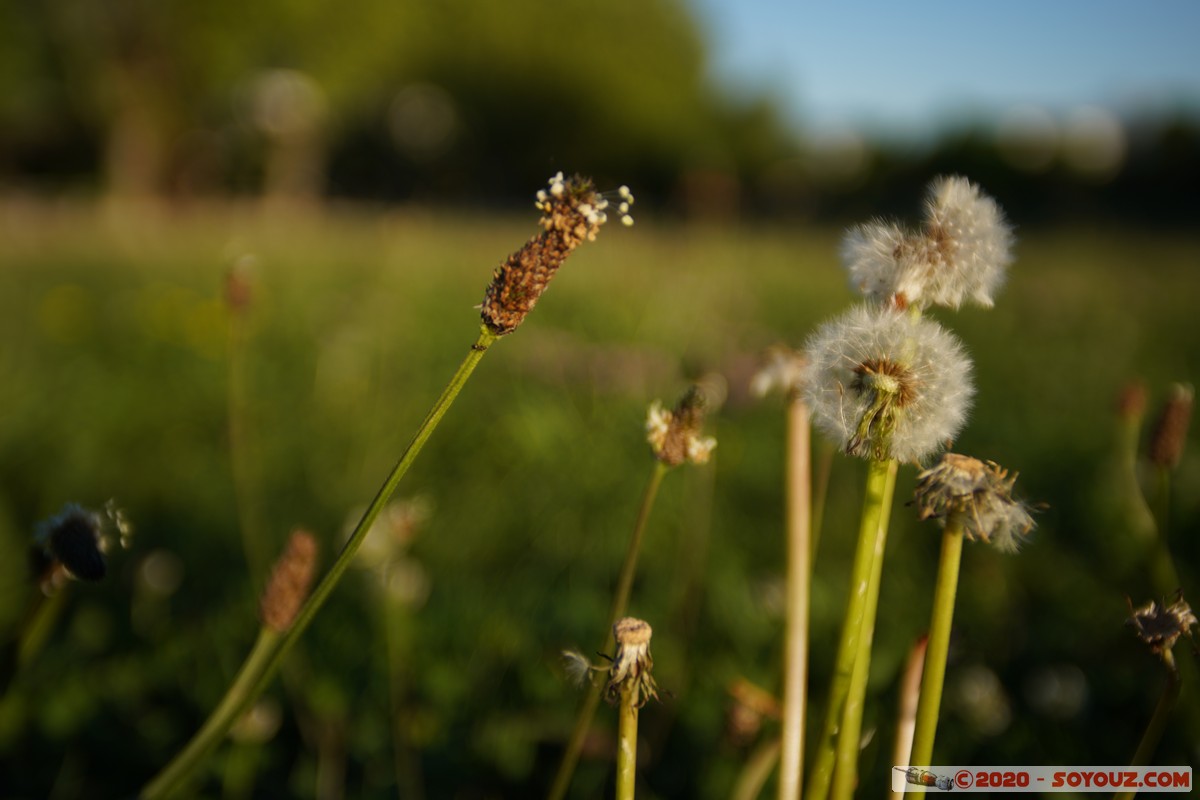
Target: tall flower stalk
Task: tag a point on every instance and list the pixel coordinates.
(785, 371)
(281, 601)
(970, 499)
(890, 386)
(572, 213)
(675, 439)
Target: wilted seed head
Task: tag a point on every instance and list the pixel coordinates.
(572, 213)
(632, 663)
(1170, 431)
(674, 435)
(960, 254)
(782, 372)
(290, 581)
(72, 540)
(887, 385)
(981, 493)
(1159, 626)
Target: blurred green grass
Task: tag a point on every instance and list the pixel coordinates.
(114, 347)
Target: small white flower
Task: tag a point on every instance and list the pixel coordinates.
(658, 425)
(699, 448)
(885, 384)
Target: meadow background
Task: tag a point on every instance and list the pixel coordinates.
(126, 374)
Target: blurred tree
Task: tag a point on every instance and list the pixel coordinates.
(162, 83)
(445, 95)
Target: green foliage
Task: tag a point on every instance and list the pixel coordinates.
(114, 351)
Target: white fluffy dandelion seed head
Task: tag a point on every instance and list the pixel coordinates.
(928, 362)
(874, 255)
(973, 240)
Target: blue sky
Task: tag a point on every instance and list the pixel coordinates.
(909, 67)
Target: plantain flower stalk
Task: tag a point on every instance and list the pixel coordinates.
(279, 607)
(1167, 443)
(572, 213)
(674, 435)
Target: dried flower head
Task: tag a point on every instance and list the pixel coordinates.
(783, 372)
(960, 254)
(71, 544)
(1161, 626)
(572, 213)
(1170, 430)
(886, 384)
(632, 663)
(674, 435)
(290, 581)
(981, 493)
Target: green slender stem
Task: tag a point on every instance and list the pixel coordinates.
(44, 615)
(754, 774)
(879, 475)
(591, 701)
(23, 645)
(1158, 722)
(845, 777)
(239, 695)
(265, 664)
(799, 517)
(627, 733)
(933, 677)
